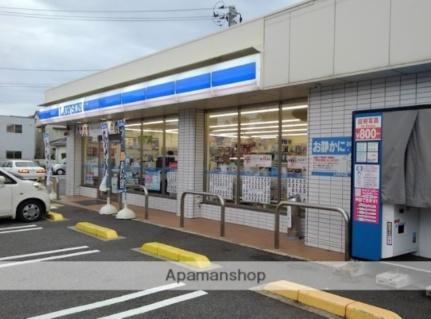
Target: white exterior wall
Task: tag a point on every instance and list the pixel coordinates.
(190, 174)
(73, 162)
(24, 142)
(330, 114)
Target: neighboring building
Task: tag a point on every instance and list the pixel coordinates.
(57, 139)
(265, 110)
(18, 135)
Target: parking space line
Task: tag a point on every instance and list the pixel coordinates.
(20, 230)
(40, 253)
(17, 227)
(108, 302)
(156, 305)
(30, 261)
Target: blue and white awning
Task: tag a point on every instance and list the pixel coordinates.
(234, 76)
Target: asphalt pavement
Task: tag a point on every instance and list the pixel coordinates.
(164, 302)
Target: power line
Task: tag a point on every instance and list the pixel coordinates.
(105, 18)
(105, 11)
(47, 70)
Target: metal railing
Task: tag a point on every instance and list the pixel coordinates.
(145, 190)
(338, 210)
(222, 208)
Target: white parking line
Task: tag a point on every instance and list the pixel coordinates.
(20, 230)
(156, 305)
(17, 227)
(107, 302)
(30, 261)
(47, 252)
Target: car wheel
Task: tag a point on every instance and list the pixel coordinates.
(29, 211)
(60, 172)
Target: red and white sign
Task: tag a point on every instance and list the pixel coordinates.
(368, 128)
(366, 205)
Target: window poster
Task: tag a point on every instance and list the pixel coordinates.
(256, 189)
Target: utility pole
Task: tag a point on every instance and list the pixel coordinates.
(223, 14)
(231, 15)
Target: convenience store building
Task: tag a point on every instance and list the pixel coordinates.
(256, 113)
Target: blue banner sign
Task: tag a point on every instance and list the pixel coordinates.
(331, 156)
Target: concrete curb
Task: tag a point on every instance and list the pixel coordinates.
(328, 302)
(176, 254)
(55, 217)
(96, 230)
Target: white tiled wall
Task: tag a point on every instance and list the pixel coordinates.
(190, 157)
(244, 217)
(330, 114)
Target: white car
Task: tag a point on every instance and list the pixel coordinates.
(59, 168)
(24, 169)
(21, 199)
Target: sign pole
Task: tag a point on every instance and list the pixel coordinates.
(106, 185)
(125, 213)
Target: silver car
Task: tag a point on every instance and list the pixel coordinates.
(24, 169)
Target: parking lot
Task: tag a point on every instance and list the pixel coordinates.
(55, 241)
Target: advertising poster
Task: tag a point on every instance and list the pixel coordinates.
(105, 185)
(257, 160)
(368, 128)
(256, 189)
(331, 156)
(366, 202)
(120, 124)
(152, 180)
(222, 185)
(47, 147)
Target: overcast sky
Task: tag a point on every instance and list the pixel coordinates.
(60, 44)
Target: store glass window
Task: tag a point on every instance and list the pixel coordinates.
(152, 154)
(171, 156)
(270, 163)
(91, 156)
(222, 157)
(259, 133)
(294, 161)
(133, 155)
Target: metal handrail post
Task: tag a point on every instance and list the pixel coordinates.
(222, 208)
(145, 190)
(57, 187)
(341, 211)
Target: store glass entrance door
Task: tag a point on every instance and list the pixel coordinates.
(114, 163)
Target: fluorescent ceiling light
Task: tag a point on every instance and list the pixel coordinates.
(223, 114)
(260, 111)
(132, 125)
(254, 123)
(296, 134)
(259, 128)
(150, 123)
(275, 109)
(265, 136)
(276, 131)
(295, 107)
(154, 131)
(172, 120)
